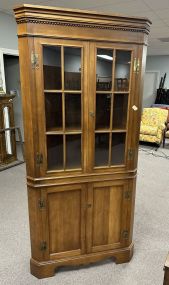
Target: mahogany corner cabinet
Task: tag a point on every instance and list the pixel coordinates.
(82, 82)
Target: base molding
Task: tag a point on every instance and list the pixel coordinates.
(48, 268)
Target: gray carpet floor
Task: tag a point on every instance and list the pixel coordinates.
(151, 231)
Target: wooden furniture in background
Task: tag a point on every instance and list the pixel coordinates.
(166, 132)
(7, 138)
(121, 84)
(166, 271)
(81, 158)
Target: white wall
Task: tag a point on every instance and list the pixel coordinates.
(8, 32)
(159, 63)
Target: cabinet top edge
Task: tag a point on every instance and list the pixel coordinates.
(58, 13)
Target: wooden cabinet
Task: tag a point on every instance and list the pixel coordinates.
(7, 137)
(81, 79)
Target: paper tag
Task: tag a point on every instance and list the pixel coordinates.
(134, 108)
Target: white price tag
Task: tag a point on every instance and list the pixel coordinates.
(134, 108)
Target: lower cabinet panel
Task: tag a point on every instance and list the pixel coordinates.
(109, 216)
(107, 213)
(87, 218)
(65, 221)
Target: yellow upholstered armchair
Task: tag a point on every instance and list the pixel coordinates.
(153, 125)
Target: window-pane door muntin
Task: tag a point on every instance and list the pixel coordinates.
(112, 92)
(63, 99)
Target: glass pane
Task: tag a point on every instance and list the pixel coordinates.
(52, 67)
(73, 111)
(73, 151)
(103, 105)
(101, 149)
(122, 70)
(104, 69)
(118, 148)
(72, 68)
(53, 109)
(55, 152)
(120, 106)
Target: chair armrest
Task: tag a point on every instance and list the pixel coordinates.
(162, 126)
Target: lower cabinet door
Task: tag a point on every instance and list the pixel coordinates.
(109, 215)
(64, 218)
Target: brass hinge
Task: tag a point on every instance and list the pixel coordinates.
(39, 158)
(43, 245)
(130, 154)
(136, 65)
(41, 204)
(125, 234)
(35, 60)
(127, 195)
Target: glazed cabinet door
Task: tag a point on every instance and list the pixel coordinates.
(64, 221)
(112, 86)
(109, 215)
(62, 116)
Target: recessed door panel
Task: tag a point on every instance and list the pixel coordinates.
(107, 212)
(107, 221)
(66, 221)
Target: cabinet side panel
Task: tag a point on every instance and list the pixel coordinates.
(28, 103)
(130, 214)
(137, 101)
(35, 220)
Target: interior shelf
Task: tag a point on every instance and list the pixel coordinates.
(63, 91)
(55, 131)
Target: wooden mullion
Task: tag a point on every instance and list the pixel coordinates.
(121, 92)
(52, 91)
(62, 67)
(130, 95)
(64, 136)
(104, 92)
(73, 91)
(63, 107)
(112, 103)
(82, 107)
(64, 151)
(102, 131)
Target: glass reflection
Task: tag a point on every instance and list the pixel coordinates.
(118, 148)
(53, 111)
(52, 67)
(73, 151)
(104, 69)
(73, 111)
(101, 149)
(122, 70)
(103, 105)
(120, 106)
(55, 152)
(72, 68)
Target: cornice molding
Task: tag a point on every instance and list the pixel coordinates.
(83, 25)
(43, 15)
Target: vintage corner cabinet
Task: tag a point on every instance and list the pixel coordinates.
(82, 80)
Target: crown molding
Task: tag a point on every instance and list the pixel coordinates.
(79, 18)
